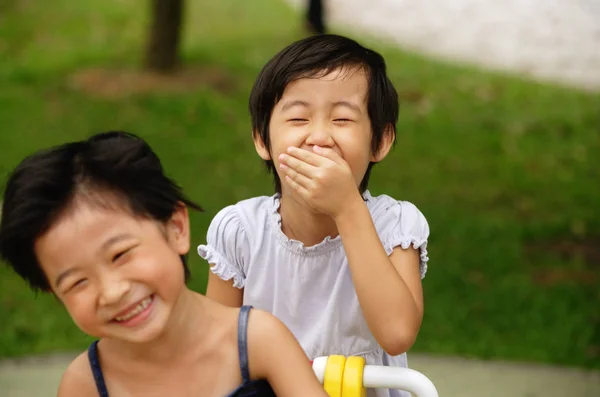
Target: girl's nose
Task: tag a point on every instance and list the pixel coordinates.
(113, 290)
(320, 135)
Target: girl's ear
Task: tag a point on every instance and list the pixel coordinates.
(178, 229)
(386, 144)
(260, 146)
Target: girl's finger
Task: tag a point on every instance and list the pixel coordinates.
(297, 165)
(295, 176)
(305, 155)
(296, 186)
(328, 153)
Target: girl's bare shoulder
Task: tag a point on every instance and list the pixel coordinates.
(78, 379)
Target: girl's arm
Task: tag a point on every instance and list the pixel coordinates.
(223, 291)
(226, 244)
(389, 289)
(276, 355)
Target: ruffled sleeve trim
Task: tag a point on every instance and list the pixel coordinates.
(226, 246)
(221, 266)
(407, 242)
(401, 224)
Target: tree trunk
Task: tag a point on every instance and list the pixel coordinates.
(162, 51)
(315, 17)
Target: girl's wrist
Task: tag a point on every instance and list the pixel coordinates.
(351, 212)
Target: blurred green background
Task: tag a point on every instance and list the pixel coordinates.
(506, 171)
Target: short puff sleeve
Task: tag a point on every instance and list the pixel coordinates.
(402, 224)
(226, 246)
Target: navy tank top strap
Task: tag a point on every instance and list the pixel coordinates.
(243, 341)
(96, 370)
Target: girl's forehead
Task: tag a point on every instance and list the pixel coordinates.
(337, 86)
(350, 77)
(82, 229)
(341, 72)
(99, 212)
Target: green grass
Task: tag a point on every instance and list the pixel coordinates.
(498, 165)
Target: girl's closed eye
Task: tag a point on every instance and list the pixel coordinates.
(75, 285)
(121, 253)
(343, 120)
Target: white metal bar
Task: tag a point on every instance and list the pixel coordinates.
(378, 376)
(319, 365)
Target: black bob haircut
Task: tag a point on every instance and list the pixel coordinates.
(44, 184)
(314, 57)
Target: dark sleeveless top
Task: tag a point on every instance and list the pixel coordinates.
(248, 388)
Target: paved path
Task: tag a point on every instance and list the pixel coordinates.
(453, 377)
(554, 40)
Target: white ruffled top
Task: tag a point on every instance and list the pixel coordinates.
(309, 289)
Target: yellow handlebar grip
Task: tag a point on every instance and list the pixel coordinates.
(352, 382)
(334, 375)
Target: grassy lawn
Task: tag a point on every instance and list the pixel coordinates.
(504, 170)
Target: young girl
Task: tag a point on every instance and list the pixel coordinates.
(99, 225)
(340, 267)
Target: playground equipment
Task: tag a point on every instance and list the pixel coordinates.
(350, 377)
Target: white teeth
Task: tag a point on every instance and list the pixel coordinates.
(143, 304)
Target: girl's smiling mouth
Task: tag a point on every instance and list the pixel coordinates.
(136, 314)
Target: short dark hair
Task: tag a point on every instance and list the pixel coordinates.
(44, 184)
(317, 56)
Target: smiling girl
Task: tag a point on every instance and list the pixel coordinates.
(99, 225)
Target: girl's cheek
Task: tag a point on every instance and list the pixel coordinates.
(82, 309)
